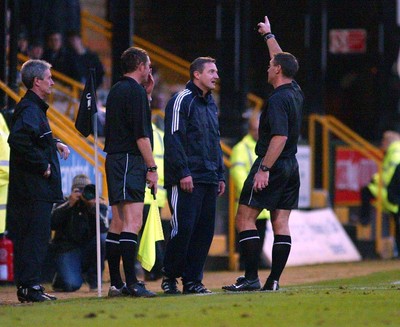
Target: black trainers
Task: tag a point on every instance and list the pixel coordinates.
(169, 286)
(117, 292)
(270, 285)
(243, 285)
(138, 289)
(33, 294)
(195, 288)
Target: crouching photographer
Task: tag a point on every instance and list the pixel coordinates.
(74, 243)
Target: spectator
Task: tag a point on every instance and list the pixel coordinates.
(22, 43)
(35, 50)
(391, 146)
(44, 16)
(84, 59)
(393, 191)
(4, 170)
(74, 243)
(59, 56)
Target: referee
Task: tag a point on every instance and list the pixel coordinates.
(129, 165)
(273, 182)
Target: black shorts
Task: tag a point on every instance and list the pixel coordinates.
(126, 177)
(283, 187)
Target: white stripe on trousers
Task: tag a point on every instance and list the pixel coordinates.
(126, 170)
(252, 189)
(174, 203)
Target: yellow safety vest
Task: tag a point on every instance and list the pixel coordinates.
(390, 162)
(158, 153)
(242, 159)
(4, 171)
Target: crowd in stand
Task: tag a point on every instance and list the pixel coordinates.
(57, 38)
(70, 58)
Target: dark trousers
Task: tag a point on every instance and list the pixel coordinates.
(396, 218)
(193, 220)
(365, 210)
(31, 240)
(79, 265)
(365, 214)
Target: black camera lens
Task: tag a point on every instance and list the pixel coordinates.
(89, 192)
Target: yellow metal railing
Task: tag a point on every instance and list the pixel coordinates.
(63, 128)
(331, 125)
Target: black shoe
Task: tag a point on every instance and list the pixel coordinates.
(169, 286)
(33, 294)
(117, 292)
(270, 285)
(243, 285)
(138, 289)
(195, 288)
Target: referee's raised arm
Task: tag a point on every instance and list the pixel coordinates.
(264, 28)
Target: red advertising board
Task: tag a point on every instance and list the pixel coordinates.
(352, 171)
(347, 41)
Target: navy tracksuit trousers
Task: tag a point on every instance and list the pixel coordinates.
(193, 220)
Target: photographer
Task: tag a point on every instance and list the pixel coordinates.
(74, 223)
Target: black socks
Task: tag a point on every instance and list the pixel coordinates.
(249, 242)
(280, 254)
(113, 255)
(128, 244)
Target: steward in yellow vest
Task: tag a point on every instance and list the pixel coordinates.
(4, 171)
(391, 146)
(158, 153)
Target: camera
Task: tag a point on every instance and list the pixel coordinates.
(89, 192)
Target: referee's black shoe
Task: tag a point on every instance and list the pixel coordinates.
(33, 294)
(138, 289)
(169, 286)
(270, 285)
(243, 285)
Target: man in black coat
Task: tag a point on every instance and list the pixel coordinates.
(35, 181)
(84, 59)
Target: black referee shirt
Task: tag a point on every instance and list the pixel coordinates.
(282, 116)
(128, 117)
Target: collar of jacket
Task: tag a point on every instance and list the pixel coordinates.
(197, 91)
(29, 96)
(32, 96)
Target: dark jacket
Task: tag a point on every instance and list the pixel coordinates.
(76, 226)
(191, 139)
(82, 64)
(32, 148)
